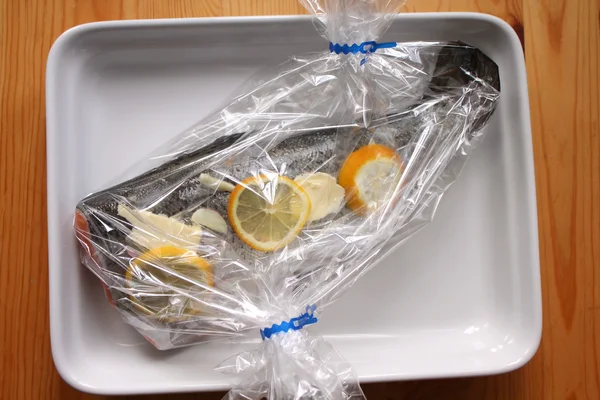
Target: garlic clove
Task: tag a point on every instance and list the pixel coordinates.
(215, 183)
(210, 219)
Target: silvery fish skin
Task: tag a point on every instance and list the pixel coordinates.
(174, 191)
(175, 188)
(177, 192)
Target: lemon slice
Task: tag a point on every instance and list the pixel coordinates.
(158, 278)
(369, 176)
(268, 213)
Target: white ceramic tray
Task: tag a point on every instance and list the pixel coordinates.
(460, 298)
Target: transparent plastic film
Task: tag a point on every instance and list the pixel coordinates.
(258, 217)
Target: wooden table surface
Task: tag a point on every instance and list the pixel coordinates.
(561, 40)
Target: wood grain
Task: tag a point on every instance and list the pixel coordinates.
(562, 50)
(562, 42)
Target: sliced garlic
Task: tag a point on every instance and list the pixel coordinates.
(210, 219)
(215, 183)
(325, 194)
(155, 230)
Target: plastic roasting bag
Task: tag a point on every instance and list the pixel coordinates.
(264, 213)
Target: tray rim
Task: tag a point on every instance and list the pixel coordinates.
(62, 365)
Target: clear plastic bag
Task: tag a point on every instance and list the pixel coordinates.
(261, 215)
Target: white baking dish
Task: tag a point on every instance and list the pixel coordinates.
(460, 298)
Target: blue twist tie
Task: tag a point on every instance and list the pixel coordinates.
(295, 324)
(364, 48)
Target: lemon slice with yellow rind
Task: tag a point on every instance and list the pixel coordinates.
(159, 280)
(268, 213)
